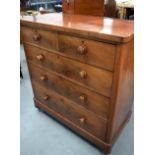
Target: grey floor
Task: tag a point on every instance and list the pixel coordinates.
(41, 135)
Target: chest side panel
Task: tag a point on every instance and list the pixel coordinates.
(122, 91)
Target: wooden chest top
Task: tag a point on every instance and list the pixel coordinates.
(100, 28)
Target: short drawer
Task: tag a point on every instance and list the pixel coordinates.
(92, 77)
(80, 95)
(83, 118)
(42, 38)
(88, 51)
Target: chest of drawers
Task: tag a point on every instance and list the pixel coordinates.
(81, 69)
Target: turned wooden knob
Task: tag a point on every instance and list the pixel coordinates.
(83, 74)
(40, 57)
(36, 37)
(43, 78)
(82, 49)
(46, 97)
(83, 97)
(82, 120)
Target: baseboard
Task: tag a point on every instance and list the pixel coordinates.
(86, 135)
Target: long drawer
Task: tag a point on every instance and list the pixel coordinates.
(88, 51)
(83, 118)
(42, 38)
(80, 95)
(97, 79)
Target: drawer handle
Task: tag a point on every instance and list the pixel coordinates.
(43, 78)
(83, 97)
(82, 49)
(82, 120)
(83, 74)
(46, 97)
(40, 57)
(36, 37)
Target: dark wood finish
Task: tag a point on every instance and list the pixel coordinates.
(84, 7)
(84, 50)
(40, 37)
(82, 72)
(110, 9)
(97, 28)
(87, 51)
(80, 95)
(97, 141)
(122, 100)
(21, 38)
(97, 79)
(85, 119)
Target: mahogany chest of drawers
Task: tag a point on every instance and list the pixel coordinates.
(81, 69)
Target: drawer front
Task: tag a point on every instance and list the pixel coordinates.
(41, 38)
(90, 52)
(80, 95)
(97, 79)
(85, 119)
